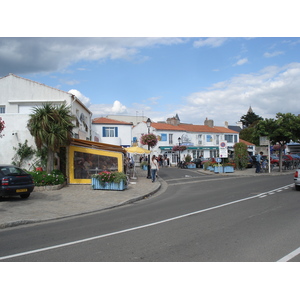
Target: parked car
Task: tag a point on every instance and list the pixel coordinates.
(199, 162)
(14, 181)
(297, 179)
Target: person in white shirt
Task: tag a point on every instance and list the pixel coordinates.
(154, 168)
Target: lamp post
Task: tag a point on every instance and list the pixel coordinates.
(148, 122)
(179, 140)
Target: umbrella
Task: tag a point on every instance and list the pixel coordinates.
(137, 150)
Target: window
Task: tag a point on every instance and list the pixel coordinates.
(171, 139)
(229, 138)
(163, 137)
(235, 138)
(110, 132)
(199, 139)
(2, 109)
(209, 138)
(217, 139)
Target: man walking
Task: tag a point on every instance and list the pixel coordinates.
(258, 161)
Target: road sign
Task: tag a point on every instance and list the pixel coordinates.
(223, 151)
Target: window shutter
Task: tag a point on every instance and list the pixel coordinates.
(103, 131)
(116, 131)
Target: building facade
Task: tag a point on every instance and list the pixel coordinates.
(114, 132)
(200, 140)
(18, 96)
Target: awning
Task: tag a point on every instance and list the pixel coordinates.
(203, 148)
(165, 147)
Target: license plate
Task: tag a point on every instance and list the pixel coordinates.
(21, 190)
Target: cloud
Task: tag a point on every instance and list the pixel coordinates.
(36, 55)
(273, 89)
(210, 42)
(118, 108)
(85, 100)
(241, 61)
(273, 54)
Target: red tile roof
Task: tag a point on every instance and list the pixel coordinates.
(191, 128)
(247, 143)
(109, 121)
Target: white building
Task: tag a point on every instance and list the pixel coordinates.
(17, 98)
(109, 131)
(200, 140)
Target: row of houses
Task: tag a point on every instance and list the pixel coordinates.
(19, 95)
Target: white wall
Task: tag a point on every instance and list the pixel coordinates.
(15, 132)
(124, 134)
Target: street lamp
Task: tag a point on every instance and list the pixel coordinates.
(179, 140)
(148, 122)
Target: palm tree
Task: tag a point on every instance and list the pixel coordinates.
(51, 126)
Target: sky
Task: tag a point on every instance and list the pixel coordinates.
(194, 76)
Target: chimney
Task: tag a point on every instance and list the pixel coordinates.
(209, 123)
(226, 124)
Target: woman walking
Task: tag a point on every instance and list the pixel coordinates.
(154, 167)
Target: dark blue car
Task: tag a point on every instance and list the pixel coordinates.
(15, 182)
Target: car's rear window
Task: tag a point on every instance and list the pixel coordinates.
(6, 171)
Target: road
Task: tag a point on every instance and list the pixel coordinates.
(194, 218)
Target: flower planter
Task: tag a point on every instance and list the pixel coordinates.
(108, 185)
(218, 169)
(228, 169)
(209, 168)
(191, 166)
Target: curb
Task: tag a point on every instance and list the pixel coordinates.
(26, 222)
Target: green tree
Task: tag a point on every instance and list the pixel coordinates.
(241, 155)
(51, 126)
(247, 134)
(282, 130)
(250, 118)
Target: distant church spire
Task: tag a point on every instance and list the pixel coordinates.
(250, 110)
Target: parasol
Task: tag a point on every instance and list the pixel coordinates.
(137, 150)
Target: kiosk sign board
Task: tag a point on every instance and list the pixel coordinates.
(223, 149)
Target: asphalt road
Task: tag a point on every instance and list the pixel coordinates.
(194, 218)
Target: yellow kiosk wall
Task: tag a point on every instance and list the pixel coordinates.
(83, 162)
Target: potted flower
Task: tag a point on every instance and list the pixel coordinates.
(180, 148)
(2, 126)
(229, 167)
(144, 165)
(218, 168)
(107, 180)
(208, 165)
(149, 139)
(188, 162)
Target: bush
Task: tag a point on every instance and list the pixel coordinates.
(42, 178)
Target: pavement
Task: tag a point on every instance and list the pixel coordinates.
(74, 200)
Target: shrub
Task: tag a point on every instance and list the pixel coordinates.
(42, 178)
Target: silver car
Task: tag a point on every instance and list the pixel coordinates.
(297, 179)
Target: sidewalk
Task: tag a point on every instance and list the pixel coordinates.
(75, 200)
(251, 172)
(71, 200)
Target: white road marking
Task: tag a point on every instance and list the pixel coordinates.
(132, 229)
(290, 255)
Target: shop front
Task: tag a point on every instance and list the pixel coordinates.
(86, 158)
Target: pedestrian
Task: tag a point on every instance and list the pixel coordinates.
(154, 168)
(258, 161)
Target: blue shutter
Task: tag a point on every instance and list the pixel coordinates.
(103, 131)
(116, 131)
